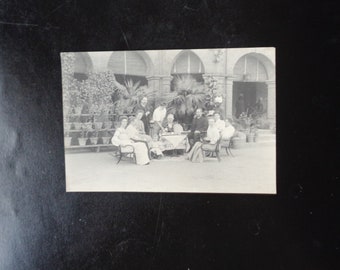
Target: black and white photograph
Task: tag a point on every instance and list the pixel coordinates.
(193, 120)
(169, 135)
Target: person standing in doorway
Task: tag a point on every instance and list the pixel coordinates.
(240, 106)
(259, 106)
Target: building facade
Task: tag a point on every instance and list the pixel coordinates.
(249, 72)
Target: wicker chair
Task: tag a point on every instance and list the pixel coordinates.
(227, 144)
(126, 151)
(212, 149)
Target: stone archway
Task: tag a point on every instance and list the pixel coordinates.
(131, 69)
(131, 65)
(253, 83)
(187, 71)
(255, 67)
(187, 62)
(82, 66)
(136, 63)
(186, 82)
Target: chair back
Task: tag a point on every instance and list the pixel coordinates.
(211, 148)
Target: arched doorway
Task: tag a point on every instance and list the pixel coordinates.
(130, 70)
(250, 90)
(82, 66)
(128, 66)
(187, 71)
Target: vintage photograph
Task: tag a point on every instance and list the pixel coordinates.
(192, 121)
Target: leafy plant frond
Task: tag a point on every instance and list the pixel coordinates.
(186, 83)
(131, 87)
(178, 100)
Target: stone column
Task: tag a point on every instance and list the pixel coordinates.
(206, 78)
(164, 90)
(166, 81)
(160, 85)
(220, 84)
(229, 97)
(221, 91)
(271, 105)
(153, 82)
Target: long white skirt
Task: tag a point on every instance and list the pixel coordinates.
(141, 152)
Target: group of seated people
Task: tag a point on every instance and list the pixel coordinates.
(207, 131)
(129, 134)
(132, 133)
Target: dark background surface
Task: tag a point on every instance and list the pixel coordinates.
(43, 227)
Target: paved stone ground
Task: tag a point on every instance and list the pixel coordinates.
(252, 170)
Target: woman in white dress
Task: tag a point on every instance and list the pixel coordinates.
(219, 124)
(228, 131)
(213, 135)
(122, 138)
(134, 131)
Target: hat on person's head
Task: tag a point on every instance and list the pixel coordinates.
(123, 118)
(218, 99)
(210, 112)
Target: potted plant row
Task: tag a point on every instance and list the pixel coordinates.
(89, 134)
(80, 126)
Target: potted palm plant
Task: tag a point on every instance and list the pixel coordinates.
(127, 95)
(189, 95)
(247, 126)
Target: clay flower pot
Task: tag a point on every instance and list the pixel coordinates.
(77, 125)
(107, 124)
(94, 140)
(82, 141)
(106, 140)
(98, 125)
(67, 126)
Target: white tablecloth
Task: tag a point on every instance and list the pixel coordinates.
(174, 141)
